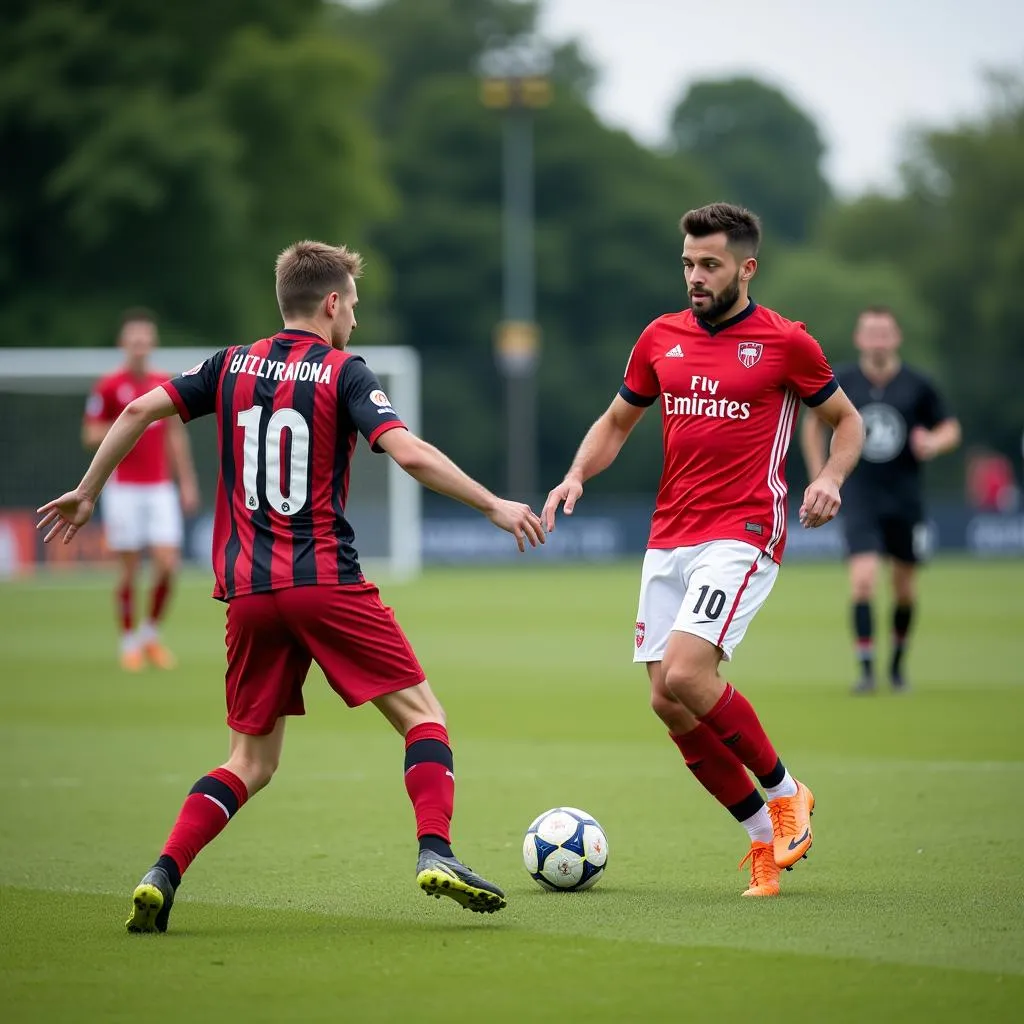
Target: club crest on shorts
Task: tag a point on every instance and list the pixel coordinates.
(641, 631)
(749, 352)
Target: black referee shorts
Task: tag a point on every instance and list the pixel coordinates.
(898, 536)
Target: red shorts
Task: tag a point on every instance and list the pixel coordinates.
(273, 638)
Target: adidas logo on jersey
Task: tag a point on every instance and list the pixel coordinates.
(676, 351)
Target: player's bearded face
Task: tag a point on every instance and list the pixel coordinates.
(711, 305)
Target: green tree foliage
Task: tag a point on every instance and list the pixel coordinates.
(164, 153)
(827, 294)
(956, 234)
(762, 149)
(971, 176)
(607, 241)
(419, 39)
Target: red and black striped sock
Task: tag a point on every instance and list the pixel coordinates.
(211, 803)
(430, 783)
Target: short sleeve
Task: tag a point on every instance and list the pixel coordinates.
(932, 410)
(194, 392)
(808, 372)
(368, 405)
(99, 406)
(640, 384)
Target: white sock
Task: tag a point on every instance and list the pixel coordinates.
(148, 633)
(787, 787)
(130, 642)
(759, 826)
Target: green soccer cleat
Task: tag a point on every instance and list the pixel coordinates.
(151, 903)
(445, 876)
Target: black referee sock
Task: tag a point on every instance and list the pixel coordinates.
(902, 616)
(863, 629)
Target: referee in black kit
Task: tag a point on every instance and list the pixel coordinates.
(906, 422)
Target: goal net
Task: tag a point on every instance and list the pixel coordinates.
(42, 399)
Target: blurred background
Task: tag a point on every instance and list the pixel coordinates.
(515, 173)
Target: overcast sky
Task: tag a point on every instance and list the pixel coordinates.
(864, 70)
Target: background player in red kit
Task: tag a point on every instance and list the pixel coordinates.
(141, 508)
(729, 375)
(289, 410)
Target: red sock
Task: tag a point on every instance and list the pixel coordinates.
(734, 721)
(125, 601)
(429, 779)
(719, 771)
(209, 806)
(158, 599)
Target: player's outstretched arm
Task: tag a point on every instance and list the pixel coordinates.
(72, 510)
(821, 499)
(432, 468)
(597, 451)
(813, 437)
(184, 468)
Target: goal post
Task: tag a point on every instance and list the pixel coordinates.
(42, 400)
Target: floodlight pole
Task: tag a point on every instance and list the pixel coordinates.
(517, 338)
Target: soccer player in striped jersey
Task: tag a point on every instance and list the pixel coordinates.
(728, 375)
(290, 409)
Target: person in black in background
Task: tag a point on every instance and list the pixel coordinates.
(905, 423)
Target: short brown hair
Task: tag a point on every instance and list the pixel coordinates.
(307, 272)
(879, 310)
(137, 315)
(741, 227)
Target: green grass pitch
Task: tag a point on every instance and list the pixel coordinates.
(910, 908)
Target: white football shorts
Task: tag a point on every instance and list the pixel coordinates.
(138, 516)
(712, 590)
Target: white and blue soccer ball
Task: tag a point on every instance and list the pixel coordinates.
(565, 849)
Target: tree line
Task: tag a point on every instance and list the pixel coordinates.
(163, 154)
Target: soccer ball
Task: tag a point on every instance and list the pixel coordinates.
(565, 849)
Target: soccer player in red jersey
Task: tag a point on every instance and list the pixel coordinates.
(289, 412)
(141, 507)
(728, 375)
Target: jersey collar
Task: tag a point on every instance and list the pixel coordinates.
(714, 329)
(292, 334)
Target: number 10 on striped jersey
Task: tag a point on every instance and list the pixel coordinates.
(298, 467)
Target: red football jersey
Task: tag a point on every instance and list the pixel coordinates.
(729, 397)
(289, 410)
(146, 463)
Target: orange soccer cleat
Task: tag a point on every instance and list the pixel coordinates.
(764, 872)
(132, 660)
(791, 823)
(158, 656)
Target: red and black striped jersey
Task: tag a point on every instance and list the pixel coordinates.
(289, 410)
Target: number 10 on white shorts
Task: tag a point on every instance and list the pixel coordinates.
(712, 590)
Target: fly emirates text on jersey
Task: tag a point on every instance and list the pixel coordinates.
(702, 401)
